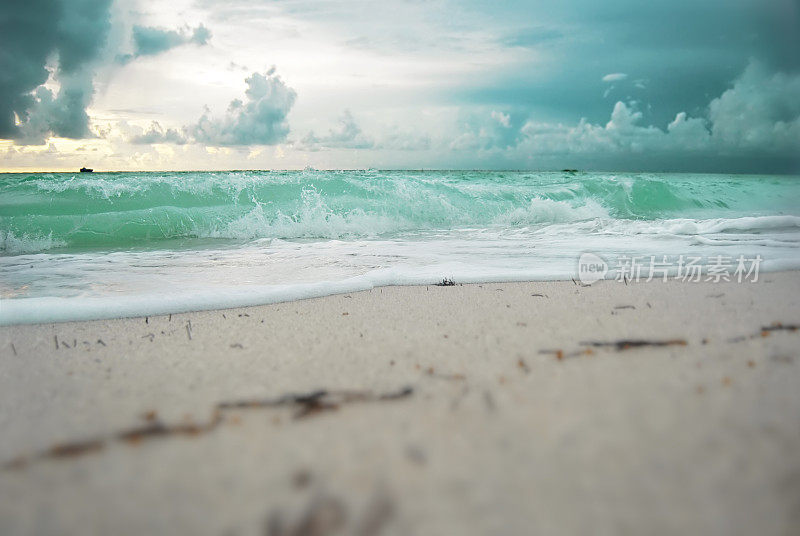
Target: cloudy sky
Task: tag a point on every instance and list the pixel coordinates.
(683, 85)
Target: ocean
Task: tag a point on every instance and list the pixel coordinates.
(79, 246)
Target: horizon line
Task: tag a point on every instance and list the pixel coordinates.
(419, 170)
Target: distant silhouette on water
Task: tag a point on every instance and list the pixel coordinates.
(86, 170)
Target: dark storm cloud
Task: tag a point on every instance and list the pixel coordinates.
(754, 127)
(690, 52)
(711, 84)
(150, 41)
(32, 32)
(62, 114)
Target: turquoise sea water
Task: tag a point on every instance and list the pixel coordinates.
(116, 244)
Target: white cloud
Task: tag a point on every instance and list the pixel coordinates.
(348, 134)
(503, 119)
(485, 130)
(760, 112)
(157, 134)
(261, 120)
(345, 135)
(622, 134)
(615, 77)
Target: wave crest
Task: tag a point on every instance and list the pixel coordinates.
(39, 212)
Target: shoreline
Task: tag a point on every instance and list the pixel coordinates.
(141, 306)
(546, 406)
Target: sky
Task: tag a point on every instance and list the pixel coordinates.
(617, 85)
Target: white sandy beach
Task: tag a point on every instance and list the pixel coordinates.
(509, 425)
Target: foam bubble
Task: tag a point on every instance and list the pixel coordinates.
(548, 211)
(14, 245)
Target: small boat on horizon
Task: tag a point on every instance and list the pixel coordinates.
(86, 170)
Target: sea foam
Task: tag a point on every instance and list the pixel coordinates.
(79, 246)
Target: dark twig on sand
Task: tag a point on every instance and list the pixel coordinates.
(69, 450)
(432, 373)
(315, 401)
(560, 354)
(781, 327)
(626, 344)
(158, 429)
(766, 331)
(306, 404)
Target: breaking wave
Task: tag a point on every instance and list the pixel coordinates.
(121, 210)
